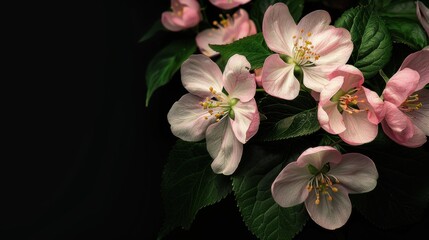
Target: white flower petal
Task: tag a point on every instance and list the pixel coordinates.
(237, 80)
(289, 187)
(278, 28)
(330, 214)
(224, 147)
(244, 115)
(278, 78)
(199, 73)
(318, 156)
(356, 172)
(187, 118)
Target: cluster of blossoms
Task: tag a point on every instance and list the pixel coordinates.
(221, 107)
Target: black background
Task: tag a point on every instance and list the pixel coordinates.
(86, 162)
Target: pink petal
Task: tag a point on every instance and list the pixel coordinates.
(226, 5)
(314, 22)
(417, 140)
(278, 79)
(289, 187)
(400, 86)
(169, 21)
(237, 80)
(359, 129)
(330, 214)
(186, 118)
(224, 147)
(420, 117)
(254, 125)
(333, 45)
(278, 28)
(199, 73)
(318, 156)
(330, 89)
(418, 61)
(330, 118)
(353, 77)
(243, 26)
(244, 116)
(396, 124)
(190, 3)
(316, 77)
(209, 36)
(190, 15)
(373, 103)
(356, 172)
(423, 15)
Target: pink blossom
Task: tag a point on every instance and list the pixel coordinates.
(423, 15)
(185, 14)
(348, 109)
(407, 102)
(225, 120)
(228, 4)
(227, 31)
(313, 47)
(322, 178)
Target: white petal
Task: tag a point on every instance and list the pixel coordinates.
(209, 36)
(314, 22)
(318, 156)
(199, 73)
(237, 80)
(278, 28)
(334, 46)
(330, 214)
(356, 172)
(244, 115)
(278, 79)
(316, 77)
(186, 118)
(289, 187)
(224, 147)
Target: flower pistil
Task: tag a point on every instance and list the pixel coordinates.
(322, 182)
(412, 103)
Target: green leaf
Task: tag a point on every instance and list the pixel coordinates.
(371, 39)
(303, 123)
(260, 6)
(252, 189)
(407, 31)
(400, 8)
(402, 192)
(252, 47)
(165, 64)
(156, 27)
(288, 119)
(189, 184)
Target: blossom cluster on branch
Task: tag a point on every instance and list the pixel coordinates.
(272, 77)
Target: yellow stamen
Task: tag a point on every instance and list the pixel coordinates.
(411, 104)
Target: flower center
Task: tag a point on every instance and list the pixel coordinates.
(219, 105)
(224, 22)
(178, 8)
(322, 183)
(348, 101)
(412, 103)
(303, 49)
